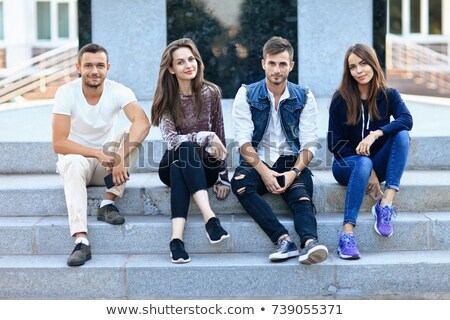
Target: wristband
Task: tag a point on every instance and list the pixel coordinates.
(376, 137)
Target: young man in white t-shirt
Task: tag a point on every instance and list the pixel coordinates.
(84, 115)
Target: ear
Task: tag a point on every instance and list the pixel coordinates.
(291, 66)
(78, 66)
(171, 70)
(108, 66)
(263, 64)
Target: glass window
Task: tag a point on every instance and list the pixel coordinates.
(2, 35)
(230, 35)
(43, 20)
(395, 16)
(435, 16)
(415, 16)
(63, 20)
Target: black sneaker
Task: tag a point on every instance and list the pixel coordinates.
(214, 231)
(285, 249)
(79, 255)
(313, 253)
(110, 214)
(177, 252)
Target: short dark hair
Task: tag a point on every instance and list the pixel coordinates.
(91, 48)
(276, 45)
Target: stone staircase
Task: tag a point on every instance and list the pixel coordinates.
(132, 261)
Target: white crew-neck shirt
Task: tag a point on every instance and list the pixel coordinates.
(92, 125)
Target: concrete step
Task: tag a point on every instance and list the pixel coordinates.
(151, 234)
(43, 195)
(38, 157)
(378, 275)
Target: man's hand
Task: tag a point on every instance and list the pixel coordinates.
(119, 174)
(106, 161)
(269, 178)
(221, 190)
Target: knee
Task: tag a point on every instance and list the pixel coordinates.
(73, 165)
(303, 204)
(238, 185)
(402, 138)
(364, 165)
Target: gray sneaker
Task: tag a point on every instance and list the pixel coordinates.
(313, 253)
(110, 214)
(79, 255)
(285, 249)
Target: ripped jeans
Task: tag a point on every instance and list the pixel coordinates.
(249, 187)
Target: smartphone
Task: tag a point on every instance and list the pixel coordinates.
(109, 180)
(281, 181)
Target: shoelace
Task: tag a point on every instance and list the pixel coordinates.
(112, 208)
(77, 247)
(349, 241)
(282, 245)
(387, 213)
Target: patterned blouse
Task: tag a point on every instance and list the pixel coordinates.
(199, 130)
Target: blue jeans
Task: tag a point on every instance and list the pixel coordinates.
(354, 172)
(249, 191)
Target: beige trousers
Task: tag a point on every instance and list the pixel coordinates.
(79, 172)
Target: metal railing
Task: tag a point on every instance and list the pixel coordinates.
(38, 72)
(418, 62)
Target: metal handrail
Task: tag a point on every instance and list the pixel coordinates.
(418, 61)
(37, 72)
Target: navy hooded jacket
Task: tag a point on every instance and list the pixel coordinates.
(343, 138)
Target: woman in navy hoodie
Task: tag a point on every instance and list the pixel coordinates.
(368, 147)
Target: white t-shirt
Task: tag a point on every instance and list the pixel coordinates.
(92, 126)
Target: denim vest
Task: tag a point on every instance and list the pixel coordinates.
(290, 110)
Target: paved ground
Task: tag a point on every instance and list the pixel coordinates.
(31, 121)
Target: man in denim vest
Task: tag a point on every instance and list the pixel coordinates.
(275, 125)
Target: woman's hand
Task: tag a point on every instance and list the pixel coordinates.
(373, 186)
(217, 149)
(221, 190)
(363, 148)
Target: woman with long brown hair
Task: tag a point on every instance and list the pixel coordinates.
(187, 108)
(368, 147)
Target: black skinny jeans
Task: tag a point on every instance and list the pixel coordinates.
(185, 172)
(249, 191)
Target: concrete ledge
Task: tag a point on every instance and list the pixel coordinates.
(50, 235)
(421, 191)
(376, 276)
(38, 157)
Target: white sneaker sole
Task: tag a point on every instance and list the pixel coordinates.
(179, 261)
(315, 255)
(217, 241)
(283, 256)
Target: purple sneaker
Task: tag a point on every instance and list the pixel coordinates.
(383, 215)
(347, 247)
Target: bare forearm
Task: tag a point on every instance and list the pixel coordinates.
(70, 147)
(303, 160)
(138, 132)
(250, 156)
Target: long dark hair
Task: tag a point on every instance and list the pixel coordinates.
(167, 99)
(348, 87)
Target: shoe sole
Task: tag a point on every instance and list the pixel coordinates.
(180, 261)
(111, 222)
(78, 263)
(315, 255)
(346, 257)
(217, 241)
(290, 254)
(375, 224)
